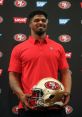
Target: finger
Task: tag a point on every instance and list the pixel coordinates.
(28, 95)
(66, 100)
(25, 106)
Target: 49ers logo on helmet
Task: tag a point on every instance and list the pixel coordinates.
(20, 3)
(65, 38)
(20, 37)
(64, 4)
(52, 85)
(1, 19)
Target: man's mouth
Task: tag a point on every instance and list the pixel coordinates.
(40, 27)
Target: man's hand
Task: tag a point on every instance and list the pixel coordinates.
(23, 98)
(66, 98)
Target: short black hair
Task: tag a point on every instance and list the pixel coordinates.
(37, 12)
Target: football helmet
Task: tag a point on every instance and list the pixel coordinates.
(46, 93)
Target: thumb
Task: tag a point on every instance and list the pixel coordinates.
(28, 95)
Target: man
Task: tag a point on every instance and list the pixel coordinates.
(37, 58)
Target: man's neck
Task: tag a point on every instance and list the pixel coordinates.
(37, 37)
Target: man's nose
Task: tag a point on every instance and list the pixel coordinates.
(40, 21)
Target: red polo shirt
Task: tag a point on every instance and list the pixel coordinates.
(36, 60)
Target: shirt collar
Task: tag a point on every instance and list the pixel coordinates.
(32, 40)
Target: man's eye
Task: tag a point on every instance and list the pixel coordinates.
(43, 20)
(36, 20)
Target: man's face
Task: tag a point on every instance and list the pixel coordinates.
(38, 24)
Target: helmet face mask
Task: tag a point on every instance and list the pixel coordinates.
(48, 92)
(36, 98)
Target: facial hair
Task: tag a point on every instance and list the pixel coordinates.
(40, 32)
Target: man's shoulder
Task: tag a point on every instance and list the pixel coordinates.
(23, 44)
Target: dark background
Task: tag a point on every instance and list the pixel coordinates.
(74, 28)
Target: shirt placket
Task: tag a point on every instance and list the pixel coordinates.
(40, 45)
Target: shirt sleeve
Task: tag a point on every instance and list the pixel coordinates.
(15, 61)
(63, 64)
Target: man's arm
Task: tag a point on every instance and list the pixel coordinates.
(15, 81)
(15, 84)
(67, 82)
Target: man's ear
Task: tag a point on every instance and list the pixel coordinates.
(47, 21)
(29, 23)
